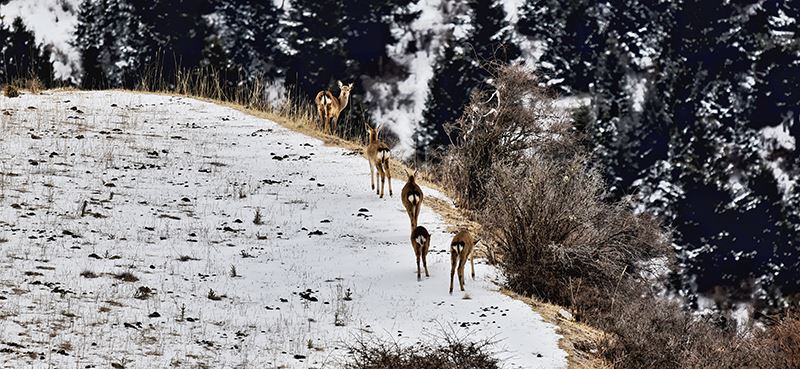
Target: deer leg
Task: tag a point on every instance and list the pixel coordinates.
(381, 180)
(371, 174)
(461, 273)
(411, 218)
(452, 269)
(417, 208)
(425, 257)
(416, 251)
(389, 174)
(334, 118)
(472, 262)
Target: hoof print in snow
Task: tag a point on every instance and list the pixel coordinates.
(283, 299)
(154, 314)
(325, 221)
(33, 162)
(320, 185)
(299, 357)
(80, 137)
(271, 182)
(95, 256)
(315, 233)
(35, 137)
(31, 108)
(279, 158)
(117, 366)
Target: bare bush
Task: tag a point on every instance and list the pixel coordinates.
(520, 167)
(557, 237)
(502, 128)
(10, 91)
(452, 353)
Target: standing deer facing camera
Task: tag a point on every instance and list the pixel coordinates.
(329, 107)
(461, 248)
(412, 199)
(378, 155)
(421, 242)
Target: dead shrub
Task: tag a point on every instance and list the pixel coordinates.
(502, 128)
(10, 91)
(558, 238)
(126, 277)
(784, 337)
(452, 353)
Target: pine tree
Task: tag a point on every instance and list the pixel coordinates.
(571, 32)
(88, 41)
(464, 66)
(449, 92)
(317, 55)
(249, 37)
(21, 57)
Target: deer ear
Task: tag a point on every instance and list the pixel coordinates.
(340, 84)
(350, 85)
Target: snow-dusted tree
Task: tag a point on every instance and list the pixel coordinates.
(570, 30)
(464, 65)
(449, 92)
(20, 57)
(249, 35)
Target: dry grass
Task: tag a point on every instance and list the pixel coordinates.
(10, 91)
(580, 341)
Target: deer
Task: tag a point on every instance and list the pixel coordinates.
(378, 156)
(421, 242)
(461, 248)
(329, 106)
(412, 197)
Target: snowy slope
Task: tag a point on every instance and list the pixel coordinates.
(171, 186)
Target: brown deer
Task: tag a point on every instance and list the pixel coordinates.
(412, 199)
(329, 106)
(421, 242)
(378, 156)
(461, 248)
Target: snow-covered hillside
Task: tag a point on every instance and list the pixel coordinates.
(127, 237)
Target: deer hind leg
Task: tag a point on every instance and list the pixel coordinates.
(371, 173)
(417, 253)
(382, 180)
(334, 119)
(452, 269)
(410, 212)
(417, 208)
(472, 262)
(425, 256)
(388, 174)
(461, 265)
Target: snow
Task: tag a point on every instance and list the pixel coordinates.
(53, 23)
(169, 177)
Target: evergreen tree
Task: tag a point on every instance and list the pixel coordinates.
(88, 36)
(464, 66)
(249, 37)
(20, 57)
(571, 31)
(449, 92)
(317, 55)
